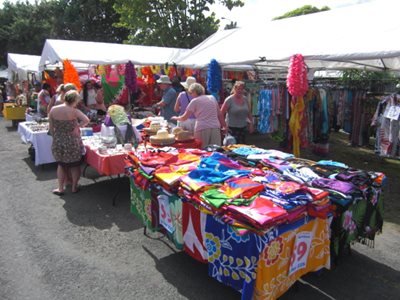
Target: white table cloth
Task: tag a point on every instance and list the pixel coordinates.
(40, 140)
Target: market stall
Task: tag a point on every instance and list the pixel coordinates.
(260, 218)
(21, 65)
(35, 133)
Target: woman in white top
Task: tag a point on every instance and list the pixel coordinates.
(88, 95)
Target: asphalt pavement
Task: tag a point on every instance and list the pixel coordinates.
(80, 246)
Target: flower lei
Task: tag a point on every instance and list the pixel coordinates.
(214, 77)
(297, 82)
(130, 77)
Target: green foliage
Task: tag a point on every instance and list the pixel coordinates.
(174, 23)
(366, 79)
(24, 27)
(304, 10)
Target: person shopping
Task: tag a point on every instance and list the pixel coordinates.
(182, 102)
(168, 100)
(67, 147)
(236, 110)
(209, 120)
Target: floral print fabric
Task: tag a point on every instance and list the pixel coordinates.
(273, 278)
(67, 144)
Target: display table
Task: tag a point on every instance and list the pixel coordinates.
(11, 112)
(259, 218)
(41, 142)
(107, 165)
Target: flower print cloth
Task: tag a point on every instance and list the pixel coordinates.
(170, 216)
(67, 146)
(141, 204)
(232, 258)
(273, 278)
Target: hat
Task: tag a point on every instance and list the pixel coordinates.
(154, 127)
(188, 82)
(164, 79)
(184, 136)
(162, 138)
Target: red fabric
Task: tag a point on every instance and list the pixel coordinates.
(105, 164)
(193, 232)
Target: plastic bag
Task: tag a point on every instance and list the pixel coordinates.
(229, 140)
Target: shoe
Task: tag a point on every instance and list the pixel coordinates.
(57, 192)
(78, 188)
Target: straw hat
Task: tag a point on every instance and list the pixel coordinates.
(164, 79)
(162, 138)
(154, 127)
(184, 136)
(188, 82)
(176, 130)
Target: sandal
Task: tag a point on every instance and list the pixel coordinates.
(78, 188)
(57, 192)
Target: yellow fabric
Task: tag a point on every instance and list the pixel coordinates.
(273, 267)
(294, 123)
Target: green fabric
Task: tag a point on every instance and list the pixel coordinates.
(214, 197)
(141, 204)
(111, 91)
(175, 205)
(217, 198)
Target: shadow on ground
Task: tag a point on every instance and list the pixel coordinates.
(42, 172)
(356, 277)
(193, 281)
(93, 205)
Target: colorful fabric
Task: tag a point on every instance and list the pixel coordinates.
(232, 259)
(141, 205)
(273, 270)
(170, 216)
(241, 187)
(170, 174)
(193, 228)
(261, 213)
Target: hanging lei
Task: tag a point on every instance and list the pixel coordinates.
(214, 78)
(130, 77)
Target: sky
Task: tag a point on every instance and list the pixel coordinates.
(256, 10)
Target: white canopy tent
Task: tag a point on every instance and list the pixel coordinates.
(55, 51)
(21, 65)
(361, 36)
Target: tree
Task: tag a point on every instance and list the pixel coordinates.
(24, 27)
(304, 10)
(169, 23)
(89, 20)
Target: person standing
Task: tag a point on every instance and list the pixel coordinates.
(182, 102)
(44, 99)
(168, 99)
(209, 120)
(236, 110)
(65, 121)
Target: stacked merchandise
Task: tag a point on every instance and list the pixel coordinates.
(248, 223)
(355, 194)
